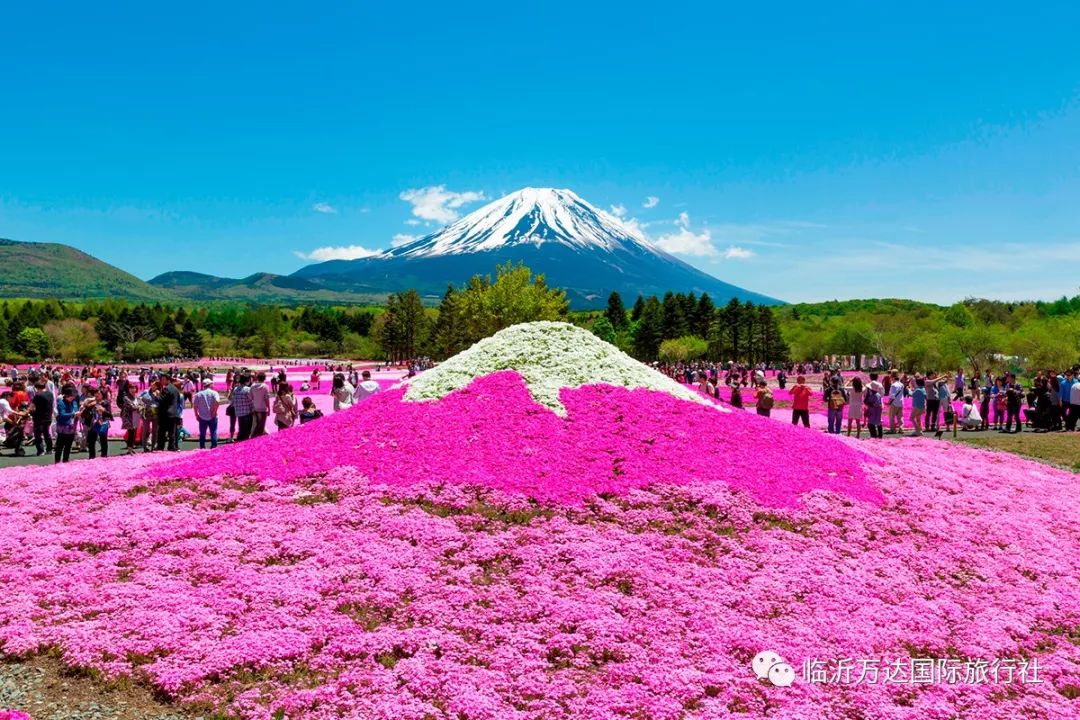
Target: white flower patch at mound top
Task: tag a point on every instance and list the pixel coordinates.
(549, 356)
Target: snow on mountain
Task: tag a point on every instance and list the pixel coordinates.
(578, 247)
(531, 216)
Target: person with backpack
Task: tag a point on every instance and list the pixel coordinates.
(763, 399)
(836, 400)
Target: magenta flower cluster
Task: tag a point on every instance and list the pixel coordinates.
(480, 557)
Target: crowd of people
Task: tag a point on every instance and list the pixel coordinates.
(61, 410)
(1049, 403)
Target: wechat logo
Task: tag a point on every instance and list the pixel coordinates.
(768, 665)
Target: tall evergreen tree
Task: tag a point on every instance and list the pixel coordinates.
(639, 307)
(616, 313)
(650, 331)
(673, 324)
(703, 316)
(191, 342)
(448, 336)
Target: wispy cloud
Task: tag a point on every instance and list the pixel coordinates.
(437, 203)
(412, 221)
(650, 202)
(618, 211)
(734, 252)
(342, 252)
(324, 208)
(402, 239)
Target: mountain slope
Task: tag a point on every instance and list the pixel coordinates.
(52, 270)
(579, 247)
(259, 287)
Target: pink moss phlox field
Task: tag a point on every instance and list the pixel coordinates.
(493, 434)
(313, 584)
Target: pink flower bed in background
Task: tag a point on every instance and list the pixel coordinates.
(480, 557)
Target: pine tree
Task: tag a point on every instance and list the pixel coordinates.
(639, 307)
(650, 331)
(448, 336)
(616, 313)
(703, 316)
(673, 324)
(191, 342)
(731, 326)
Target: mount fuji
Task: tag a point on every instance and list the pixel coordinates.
(578, 247)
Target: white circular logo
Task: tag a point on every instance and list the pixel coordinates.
(768, 665)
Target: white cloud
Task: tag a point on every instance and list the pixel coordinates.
(650, 202)
(687, 242)
(344, 252)
(618, 210)
(412, 221)
(734, 252)
(402, 239)
(324, 208)
(437, 203)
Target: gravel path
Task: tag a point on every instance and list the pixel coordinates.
(43, 689)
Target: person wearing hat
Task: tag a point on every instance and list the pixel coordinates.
(206, 403)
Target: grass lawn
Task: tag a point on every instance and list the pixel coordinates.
(1058, 448)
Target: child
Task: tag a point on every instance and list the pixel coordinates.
(999, 405)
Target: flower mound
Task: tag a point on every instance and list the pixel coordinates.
(479, 556)
(550, 356)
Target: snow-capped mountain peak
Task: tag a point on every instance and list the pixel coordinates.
(530, 216)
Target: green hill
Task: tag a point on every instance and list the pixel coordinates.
(260, 287)
(51, 270)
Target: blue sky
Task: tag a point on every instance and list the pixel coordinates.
(840, 150)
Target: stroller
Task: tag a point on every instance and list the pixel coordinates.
(15, 429)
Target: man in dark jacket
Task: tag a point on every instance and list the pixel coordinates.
(168, 415)
(42, 415)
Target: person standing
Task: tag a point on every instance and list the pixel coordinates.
(285, 410)
(1074, 403)
(856, 404)
(130, 414)
(369, 387)
(837, 401)
(205, 403)
(1013, 399)
(918, 406)
(97, 413)
(342, 392)
(260, 405)
(168, 400)
(149, 399)
(240, 401)
(800, 401)
(67, 410)
(763, 398)
(872, 404)
(933, 403)
(958, 385)
(896, 404)
(42, 415)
